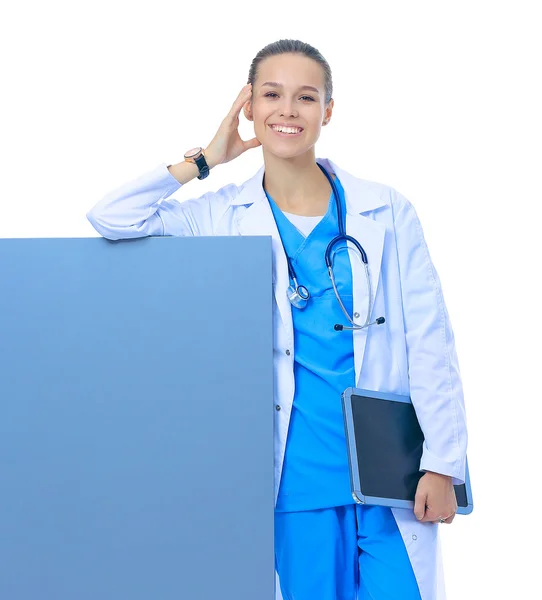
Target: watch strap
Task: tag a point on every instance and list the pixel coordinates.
(202, 166)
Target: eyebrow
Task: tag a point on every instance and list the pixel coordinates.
(279, 85)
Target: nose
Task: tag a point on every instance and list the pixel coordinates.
(287, 108)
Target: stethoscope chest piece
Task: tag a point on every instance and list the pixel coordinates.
(298, 295)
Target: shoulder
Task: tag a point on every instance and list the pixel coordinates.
(386, 193)
(366, 195)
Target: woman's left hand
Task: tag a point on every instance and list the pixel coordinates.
(435, 498)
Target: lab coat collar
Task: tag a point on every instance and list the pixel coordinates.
(360, 195)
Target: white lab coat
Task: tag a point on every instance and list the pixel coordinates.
(412, 353)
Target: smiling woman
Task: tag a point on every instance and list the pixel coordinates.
(291, 102)
(326, 546)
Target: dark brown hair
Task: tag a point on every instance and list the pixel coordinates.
(293, 47)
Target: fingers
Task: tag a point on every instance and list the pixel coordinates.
(244, 95)
(431, 516)
(419, 505)
(428, 517)
(450, 519)
(253, 143)
(425, 515)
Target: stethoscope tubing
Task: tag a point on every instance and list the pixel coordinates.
(303, 294)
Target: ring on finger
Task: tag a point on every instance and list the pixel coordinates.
(441, 520)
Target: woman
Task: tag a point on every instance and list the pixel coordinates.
(326, 546)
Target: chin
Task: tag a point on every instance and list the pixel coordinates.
(285, 150)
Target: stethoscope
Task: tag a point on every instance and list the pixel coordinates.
(299, 295)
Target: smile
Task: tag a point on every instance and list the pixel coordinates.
(286, 131)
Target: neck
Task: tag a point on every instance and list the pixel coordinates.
(296, 184)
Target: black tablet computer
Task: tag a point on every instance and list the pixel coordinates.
(385, 442)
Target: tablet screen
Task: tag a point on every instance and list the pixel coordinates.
(389, 444)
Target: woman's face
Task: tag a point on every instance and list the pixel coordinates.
(279, 96)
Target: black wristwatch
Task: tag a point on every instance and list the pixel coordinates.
(195, 155)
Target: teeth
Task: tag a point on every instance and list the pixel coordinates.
(286, 129)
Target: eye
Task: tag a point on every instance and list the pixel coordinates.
(273, 94)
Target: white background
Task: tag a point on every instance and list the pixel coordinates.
(440, 100)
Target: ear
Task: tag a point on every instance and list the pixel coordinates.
(247, 110)
(328, 111)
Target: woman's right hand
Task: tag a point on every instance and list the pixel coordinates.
(227, 143)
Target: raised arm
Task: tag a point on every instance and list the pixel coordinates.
(140, 207)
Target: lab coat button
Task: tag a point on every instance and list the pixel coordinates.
(356, 315)
(277, 407)
(414, 537)
(287, 353)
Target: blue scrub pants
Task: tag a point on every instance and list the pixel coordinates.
(342, 553)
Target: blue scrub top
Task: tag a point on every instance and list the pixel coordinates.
(315, 472)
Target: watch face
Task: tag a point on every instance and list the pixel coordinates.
(193, 152)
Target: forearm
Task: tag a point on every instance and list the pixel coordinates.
(129, 210)
(186, 171)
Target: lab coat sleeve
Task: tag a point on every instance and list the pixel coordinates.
(141, 207)
(436, 389)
